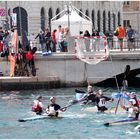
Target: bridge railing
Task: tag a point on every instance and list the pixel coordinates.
(113, 44)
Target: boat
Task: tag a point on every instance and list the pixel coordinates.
(38, 117)
(122, 122)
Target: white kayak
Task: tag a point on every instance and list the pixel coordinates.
(37, 117)
(122, 122)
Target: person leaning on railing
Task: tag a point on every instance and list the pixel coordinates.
(130, 35)
(120, 33)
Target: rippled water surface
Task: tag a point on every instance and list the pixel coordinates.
(75, 124)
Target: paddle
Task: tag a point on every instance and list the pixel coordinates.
(73, 102)
(126, 73)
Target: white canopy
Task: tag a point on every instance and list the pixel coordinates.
(77, 23)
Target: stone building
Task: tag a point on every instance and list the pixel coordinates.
(33, 15)
(131, 14)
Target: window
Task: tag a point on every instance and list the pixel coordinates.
(126, 3)
(22, 20)
(87, 13)
(126, 23)
(57, 12)
(42, 19)
(119, 18)
(114, 21)
(80, 14)
(109, 21)
(104, 21)
(93, 18)
(98, 20)
(50, 17)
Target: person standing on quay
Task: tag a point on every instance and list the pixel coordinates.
(53, 35)
(120, 33)
(130, 38)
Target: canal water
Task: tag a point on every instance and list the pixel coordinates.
(75, 124)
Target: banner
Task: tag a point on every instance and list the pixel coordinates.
(2, 12)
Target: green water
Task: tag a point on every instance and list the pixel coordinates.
(75, 124)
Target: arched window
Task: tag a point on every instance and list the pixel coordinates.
(114, 21)
(93, 18)
(109, 21)
(57, 12)
(80, 14)
(98, 20)
(50, 17)
(119, 18)
(104, 21)
(87, 13)
(42, 18)
(22, 20)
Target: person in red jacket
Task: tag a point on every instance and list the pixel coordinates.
(54, 42)
(37, 105)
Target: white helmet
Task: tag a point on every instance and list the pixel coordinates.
(132, 95)
(51, 98)
(133, 101)
(100, 92)
(89, 86)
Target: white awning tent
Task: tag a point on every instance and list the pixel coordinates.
(76, 22)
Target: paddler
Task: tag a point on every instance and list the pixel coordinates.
(133, 110)
(37, 105)
(53, 108)
(101, 101)
(89, 97)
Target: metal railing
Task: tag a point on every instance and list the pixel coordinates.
(113, 44)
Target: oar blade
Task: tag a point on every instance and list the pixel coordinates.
(106, 124)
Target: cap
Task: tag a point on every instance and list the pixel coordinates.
(89, 86)
(133, 101)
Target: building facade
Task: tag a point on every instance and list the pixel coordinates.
(131, 15)
(33, 15)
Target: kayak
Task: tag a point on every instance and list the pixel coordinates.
(122, 122)
(37, 117)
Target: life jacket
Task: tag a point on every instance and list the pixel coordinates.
(138, 103)
(36, 108)
(29, 55)
(1, 46)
